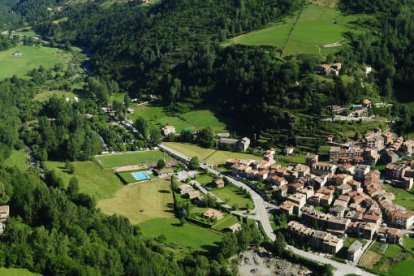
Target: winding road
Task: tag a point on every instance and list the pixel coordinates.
(261, 214)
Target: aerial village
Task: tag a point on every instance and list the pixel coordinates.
(344, 197)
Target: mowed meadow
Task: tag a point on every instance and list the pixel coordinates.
(308, 32)
(194, 119)
(32, 57)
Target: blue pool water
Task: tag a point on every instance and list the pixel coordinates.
(140, 176)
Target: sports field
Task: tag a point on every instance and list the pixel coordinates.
(210, 156)
(33, 57)
(187, 235)
(310, 32)
(130, 158)
(93, 180)
(196, 119)
(142, 201)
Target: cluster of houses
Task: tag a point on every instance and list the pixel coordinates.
(211, 214)
(401, 174)
(356, 206)
(373, 147)
(332, 69)
(352, 196)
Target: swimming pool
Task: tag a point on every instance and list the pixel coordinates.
(140, 176)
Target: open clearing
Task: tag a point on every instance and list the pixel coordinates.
(93, 180)
(18, 159)
(402, 197)
(196, 119)
(210, 156)
(317, 25)
(394, 261)
(142, 201)
(33, 57)
(129, 158)
(188, 235)
(46, 95)
(233, 196)
(16, 272)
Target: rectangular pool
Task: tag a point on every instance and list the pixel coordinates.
(140, 176)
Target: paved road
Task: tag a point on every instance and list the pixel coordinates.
(341, 269)
(262, 215)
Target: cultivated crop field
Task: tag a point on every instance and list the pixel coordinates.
(33, 57)
(318, 29)
(130, 158)
(142, 201)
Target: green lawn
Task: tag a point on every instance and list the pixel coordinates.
(130, 158)
(409, 244)
(220, 157)
(187, 235)
(33, 57)
(204, 179)
(43, 96)
(293, 159)
(210, 156)
(227, 221)
(233, 196)
(317, 26)
(18, 159)
(16, 272)
(402, 268)
(402, 197)
(93, 180)
(196, 119)
(393, 261)
(142, 201)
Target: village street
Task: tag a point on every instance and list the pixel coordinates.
(261, 214)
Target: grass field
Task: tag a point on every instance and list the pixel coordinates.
(187, 235)
(142, 201)
(18, 159)
(402, 197)
(204, 179)
(93, 180)
(220, 157)
(33, 57)
(16, 272)
(293, 159)
(43, 96)
(210, 156)
(316, 26)
(227, 221)
(233, 196)
(196, 119)
(393, 261)
(129, 158)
